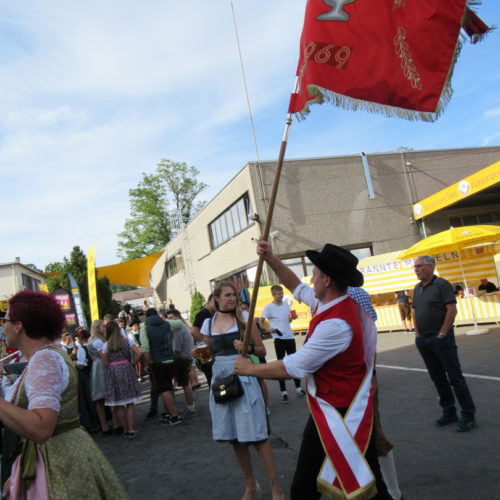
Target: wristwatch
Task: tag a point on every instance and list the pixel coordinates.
(441, 335)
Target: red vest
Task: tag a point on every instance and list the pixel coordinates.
(339, 379)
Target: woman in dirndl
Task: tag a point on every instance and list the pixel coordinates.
(242, 421)
(98, 372)
(122, 387)
(56, 458)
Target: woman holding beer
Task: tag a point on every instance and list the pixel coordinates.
(242, 421)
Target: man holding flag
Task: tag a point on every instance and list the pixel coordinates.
(396, 58)
(337, 457)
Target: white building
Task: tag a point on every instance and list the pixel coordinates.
(15, 277)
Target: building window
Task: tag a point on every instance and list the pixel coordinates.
(30, 283)
(361, 252)
(492, 217)
(239, 280)
(303, 267)
(230, 222)
(174, 265)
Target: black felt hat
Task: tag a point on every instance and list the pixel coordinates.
(338, 263)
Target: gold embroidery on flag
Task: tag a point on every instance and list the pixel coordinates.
(398, 4)
(403, 52)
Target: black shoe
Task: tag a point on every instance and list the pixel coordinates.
(445, 420)
(150, 415)
(284, 398)
(465, 425)
(170, 421)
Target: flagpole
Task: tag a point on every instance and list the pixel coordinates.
(267, 229)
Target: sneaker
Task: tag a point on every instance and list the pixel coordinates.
(445, 420)
(465, 425)
(164, 417)
(150, 415)
(173, 420)
(301, 392)
(284, 398)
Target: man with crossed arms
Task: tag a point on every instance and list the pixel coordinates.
(333, 357)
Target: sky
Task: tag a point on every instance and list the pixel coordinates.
(93, 94)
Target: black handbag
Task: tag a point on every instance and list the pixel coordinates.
(227, 388)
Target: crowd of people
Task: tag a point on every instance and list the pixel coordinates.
(91, 380)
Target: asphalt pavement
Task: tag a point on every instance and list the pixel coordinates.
(183, 462)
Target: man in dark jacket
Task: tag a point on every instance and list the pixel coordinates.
(156, 344)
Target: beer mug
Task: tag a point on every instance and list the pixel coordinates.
(202, 352)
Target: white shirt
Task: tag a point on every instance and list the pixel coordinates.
(81, 356)
(279, 318)
(331, 337)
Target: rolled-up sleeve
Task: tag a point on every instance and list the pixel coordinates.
(331, 337)
(304, 293)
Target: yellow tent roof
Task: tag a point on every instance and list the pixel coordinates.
(390, 272)
(134, 272)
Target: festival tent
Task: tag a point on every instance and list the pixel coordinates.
(456, 239)
(391, 272)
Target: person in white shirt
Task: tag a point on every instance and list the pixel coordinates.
(277, 313)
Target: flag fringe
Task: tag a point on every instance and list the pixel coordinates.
(473, 25)
(321, 95)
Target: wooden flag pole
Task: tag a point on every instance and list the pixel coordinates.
(265, 234)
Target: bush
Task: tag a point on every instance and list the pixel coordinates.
(197, 304)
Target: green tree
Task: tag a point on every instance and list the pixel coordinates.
(197, 304)
(77, 266)
(117, 287)
(171, 189)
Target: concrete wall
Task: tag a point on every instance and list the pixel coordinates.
(8, 282)
(326, 199)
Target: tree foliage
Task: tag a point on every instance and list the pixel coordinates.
(173, 188)
(77, 266)
(197, 304)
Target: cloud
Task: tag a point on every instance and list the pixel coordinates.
(492, 112)
(491, 138)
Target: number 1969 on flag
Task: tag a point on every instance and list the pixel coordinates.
(326, 53)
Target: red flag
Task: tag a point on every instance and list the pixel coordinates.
(395, 57)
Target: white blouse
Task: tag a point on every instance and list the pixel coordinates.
(46, 378)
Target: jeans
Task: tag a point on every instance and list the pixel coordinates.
(441, 359)
(282, 347)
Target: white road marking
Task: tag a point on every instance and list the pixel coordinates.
(423, 370)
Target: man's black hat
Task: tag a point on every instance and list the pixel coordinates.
(338, 263)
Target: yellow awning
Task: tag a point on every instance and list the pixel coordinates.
(472, 184)
(134, 272)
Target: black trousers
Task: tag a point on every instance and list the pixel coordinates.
(441, 359)
(311, 458)
(283, 347)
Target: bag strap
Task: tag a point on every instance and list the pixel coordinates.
(210, 321)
